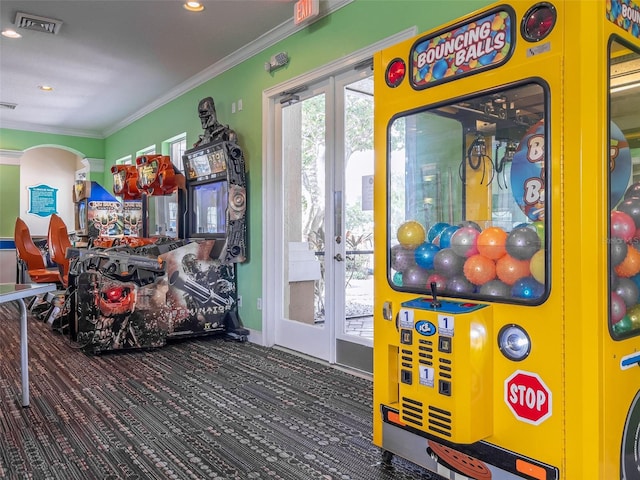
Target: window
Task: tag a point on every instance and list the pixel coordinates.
(150, 150)
(624, 191)
(177, 148)
(454, 224)
(164, 210)
(125, 160)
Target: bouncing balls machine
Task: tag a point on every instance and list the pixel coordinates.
(507, 232)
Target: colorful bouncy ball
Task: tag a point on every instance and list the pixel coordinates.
(444, 240)
(622, 226)
(618, 251)
(411, 234)
(460, 285)
(479, 269)
(439, 280)
(464, 241)
(424, 255)
(415, 277)
(628, 291)
(538, 227)
(634, 316)
(527, 288)
(617, 308)
(509, 269)
(448, 263)
(633, 191)
(630, 266)
(402, 258)
(491, 242)
(624, 325)
(470, 223)
(537, 266)
(435, 230)
(522, 243)
(631, 206)
(496, 288)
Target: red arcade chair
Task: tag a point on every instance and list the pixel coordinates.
(58, 238)
(31, 256)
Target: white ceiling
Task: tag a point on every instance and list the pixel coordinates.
(115, 60)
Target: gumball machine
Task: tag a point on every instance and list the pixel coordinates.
(507, 279)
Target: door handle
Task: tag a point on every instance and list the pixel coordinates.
(338, 257)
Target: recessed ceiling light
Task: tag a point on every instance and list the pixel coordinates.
(193, 6)
(10, 33)
(45, 88)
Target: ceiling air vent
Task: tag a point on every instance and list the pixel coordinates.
(37, 23)
(9, 106)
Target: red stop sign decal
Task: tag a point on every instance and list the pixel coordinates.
(528, 397)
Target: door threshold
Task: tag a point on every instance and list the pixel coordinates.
(343, 368)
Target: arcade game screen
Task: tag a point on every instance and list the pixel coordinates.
(81, 216)
(210, 163)
(209, 207)
(467, 209)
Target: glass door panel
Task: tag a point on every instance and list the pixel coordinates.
(303, 327)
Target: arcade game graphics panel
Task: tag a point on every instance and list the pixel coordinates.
(216, 216)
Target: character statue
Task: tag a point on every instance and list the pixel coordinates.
(214, 131)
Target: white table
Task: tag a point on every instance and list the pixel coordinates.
(16, 292)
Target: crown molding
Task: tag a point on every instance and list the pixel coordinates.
(10, 157)
(33, 127)
(273, 36)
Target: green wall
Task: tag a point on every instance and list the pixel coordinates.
(353, 27)
(22, 140)
(9, 198)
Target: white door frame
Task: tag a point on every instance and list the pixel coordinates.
(272, 203)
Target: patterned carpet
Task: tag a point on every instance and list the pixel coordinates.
(195, 409)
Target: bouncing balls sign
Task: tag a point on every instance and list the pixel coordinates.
(479, 44)
(528, 171)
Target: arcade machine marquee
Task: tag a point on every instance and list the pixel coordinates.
(507, 287)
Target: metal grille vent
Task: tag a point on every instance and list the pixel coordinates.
(38, 23)
(412, 411)
(8, 106)
(440, 421)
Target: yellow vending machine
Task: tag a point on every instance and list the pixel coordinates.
(507, 200)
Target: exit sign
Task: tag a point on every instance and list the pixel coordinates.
(305, 9)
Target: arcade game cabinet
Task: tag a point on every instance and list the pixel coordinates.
(97, 212)
(164, 188)
(507, 222)
(216, 225)
(121, 296)
(140, 296)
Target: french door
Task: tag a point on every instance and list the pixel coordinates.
(317, 282)
(324, 146)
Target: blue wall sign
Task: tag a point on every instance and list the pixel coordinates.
(43, 200)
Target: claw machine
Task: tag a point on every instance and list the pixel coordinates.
(507, 208)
